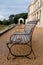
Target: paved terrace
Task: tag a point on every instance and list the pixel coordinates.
(37, 46)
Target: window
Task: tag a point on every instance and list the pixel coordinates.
(40, 14)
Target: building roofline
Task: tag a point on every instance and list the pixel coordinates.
(32, 3)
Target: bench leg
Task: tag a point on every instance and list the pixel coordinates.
(10, 51)
(34, 54)
(32, 49)
(21, 55)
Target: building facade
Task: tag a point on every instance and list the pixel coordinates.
(35, 11)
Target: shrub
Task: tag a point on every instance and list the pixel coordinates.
(5, 22)
(1, 22)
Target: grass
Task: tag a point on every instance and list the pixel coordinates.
(2, 27)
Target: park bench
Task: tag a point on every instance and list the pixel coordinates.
(23, 38)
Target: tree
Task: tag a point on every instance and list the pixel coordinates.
(5, 22)
(1, 22)
(11, 19)
(21, 15)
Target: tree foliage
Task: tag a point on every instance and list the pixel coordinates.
(14, 18)
(1, 22)
(11, 19)
(21, 15)
(5, 22)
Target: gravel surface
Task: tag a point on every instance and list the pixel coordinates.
(37, 47)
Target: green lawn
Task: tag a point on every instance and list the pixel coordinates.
(2, 27)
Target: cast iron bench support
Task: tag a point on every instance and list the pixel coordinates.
(10, 45)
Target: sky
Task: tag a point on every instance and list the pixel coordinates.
(8, 7)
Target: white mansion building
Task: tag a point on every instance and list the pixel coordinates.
(35, 11)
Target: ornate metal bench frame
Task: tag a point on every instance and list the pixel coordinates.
(11, 43)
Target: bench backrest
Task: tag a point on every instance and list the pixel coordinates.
(30, 25)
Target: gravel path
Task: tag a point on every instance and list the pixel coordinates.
(37, 46)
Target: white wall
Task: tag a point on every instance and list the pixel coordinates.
(41, 22)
